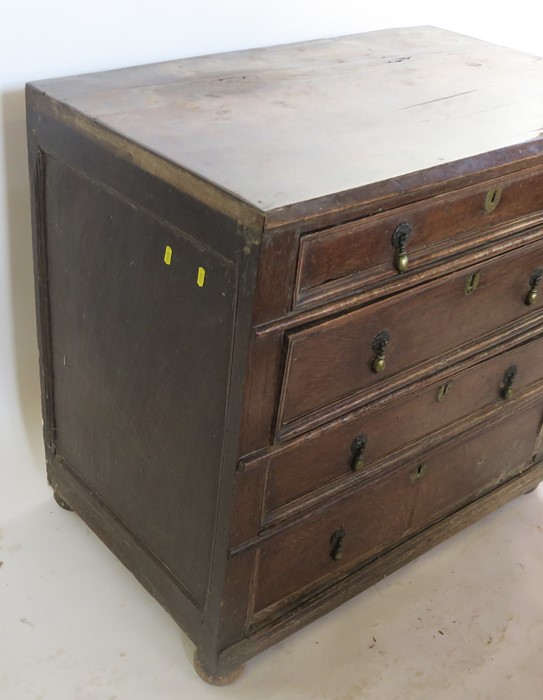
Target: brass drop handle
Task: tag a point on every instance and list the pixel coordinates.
(379, 346)
(400, 238)
(535, 279)
(358, 449)
(508, 378)
(337, 544)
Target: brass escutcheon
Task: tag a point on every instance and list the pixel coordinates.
(418, 473)
(472, 283)
(444, 390)
(492, 199)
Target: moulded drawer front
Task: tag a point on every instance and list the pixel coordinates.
(335, 359)
(307, 556)
(358, 441)
(362, 252)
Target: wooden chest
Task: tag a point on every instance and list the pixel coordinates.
(290, 315)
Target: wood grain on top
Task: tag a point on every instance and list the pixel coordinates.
(286, 124)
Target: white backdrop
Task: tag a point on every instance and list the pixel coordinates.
(41, 39)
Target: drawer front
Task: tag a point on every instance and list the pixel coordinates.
(335, 359)
(338, 539)
(359, 441)
(363, 252)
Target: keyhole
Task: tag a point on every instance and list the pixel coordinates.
(472, 283)
(444, 389)
(492, 199)
(417, 473)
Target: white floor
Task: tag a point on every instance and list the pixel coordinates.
(465, 621)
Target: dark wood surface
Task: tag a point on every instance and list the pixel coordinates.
(393, 426)
(267, 357)
(132, 337)
(377, 569)
(101, 224)
(259, 523)
(390, 508)
(362, 246)
(330, 361)
(202, 425)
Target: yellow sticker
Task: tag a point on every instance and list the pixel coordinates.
(201, 277)
(168, 255)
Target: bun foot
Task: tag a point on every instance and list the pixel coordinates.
(213, 679)
(531, 490)
(61, 502)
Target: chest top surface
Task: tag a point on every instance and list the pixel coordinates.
(286, 124)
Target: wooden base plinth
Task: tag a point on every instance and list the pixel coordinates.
(225, 679)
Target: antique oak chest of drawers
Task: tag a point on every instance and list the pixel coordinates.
(290, 315)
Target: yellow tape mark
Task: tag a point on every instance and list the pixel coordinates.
(200, 280)
(168, 255)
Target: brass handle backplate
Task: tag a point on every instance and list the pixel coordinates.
(379, 346)
(358, 449)
(535, 279)
(508, 378)
(337, 544)
(400, 238)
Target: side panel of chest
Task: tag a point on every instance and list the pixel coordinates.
(141, 325)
